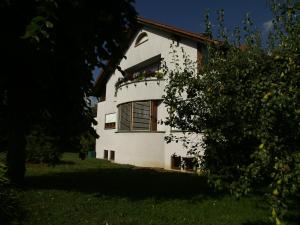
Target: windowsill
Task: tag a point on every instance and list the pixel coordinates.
(144, 131)
(140, 43)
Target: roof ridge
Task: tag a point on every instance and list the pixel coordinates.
(142, 19)
(188, 34)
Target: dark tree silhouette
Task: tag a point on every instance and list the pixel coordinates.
(48, 50)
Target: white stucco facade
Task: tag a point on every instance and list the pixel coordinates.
(147, 149)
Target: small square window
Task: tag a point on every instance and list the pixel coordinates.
(112, 155)
(188, 163)
(105, 154)
(175, 162)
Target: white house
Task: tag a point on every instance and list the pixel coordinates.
(130, 106)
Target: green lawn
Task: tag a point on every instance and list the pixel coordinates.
(2, 157)
(98, 192)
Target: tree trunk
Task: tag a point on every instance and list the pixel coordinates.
(16, 155)
(16, 141)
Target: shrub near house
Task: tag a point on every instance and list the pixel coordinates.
(246, 103)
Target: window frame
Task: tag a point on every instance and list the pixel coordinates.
(152, 116)
(132, 116)
(139, 40)
(176, 162)
(105, 154)
(111, 125)
(120, 116)
(112, 155)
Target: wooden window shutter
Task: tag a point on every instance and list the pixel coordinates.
(154, 115)
(199, 57)
(141, 115)
(125, 115)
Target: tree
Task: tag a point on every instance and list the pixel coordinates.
(245, 102)
(49, 49)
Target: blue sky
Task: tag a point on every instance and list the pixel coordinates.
(189, 14)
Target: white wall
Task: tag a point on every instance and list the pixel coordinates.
(161, 115)
(141, 148)
(143, 90)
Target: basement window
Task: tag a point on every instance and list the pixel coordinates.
(112, 156)
(105, 156)
(188, 163)
(175, 162)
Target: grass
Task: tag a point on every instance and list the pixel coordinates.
(96, 192)
(2, 157)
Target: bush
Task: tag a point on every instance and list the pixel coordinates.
(87, 143)
(10, 210)
(246, 103)
(42, 148)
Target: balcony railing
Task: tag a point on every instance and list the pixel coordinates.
(143, 76)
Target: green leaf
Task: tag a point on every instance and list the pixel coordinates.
(49, 24)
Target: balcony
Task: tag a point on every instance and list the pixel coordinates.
(140, 89)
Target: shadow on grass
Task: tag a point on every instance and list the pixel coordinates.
(293, 215)
(257, 222)
(65, 162)
(126, 182)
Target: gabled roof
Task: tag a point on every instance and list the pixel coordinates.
(105, 74)
(176, 31)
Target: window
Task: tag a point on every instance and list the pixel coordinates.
(141, 115)
(138, 116)
(112, 156)
(185, 163)
(188, 163)
(175, 162)
(144, 71)
(143, 37)
(110, 121)
(105, 156)
(125, 117)
(147, 71)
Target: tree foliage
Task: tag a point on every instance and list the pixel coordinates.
(49, 49)
(246, 103)
(42, 147)
(10, 210)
